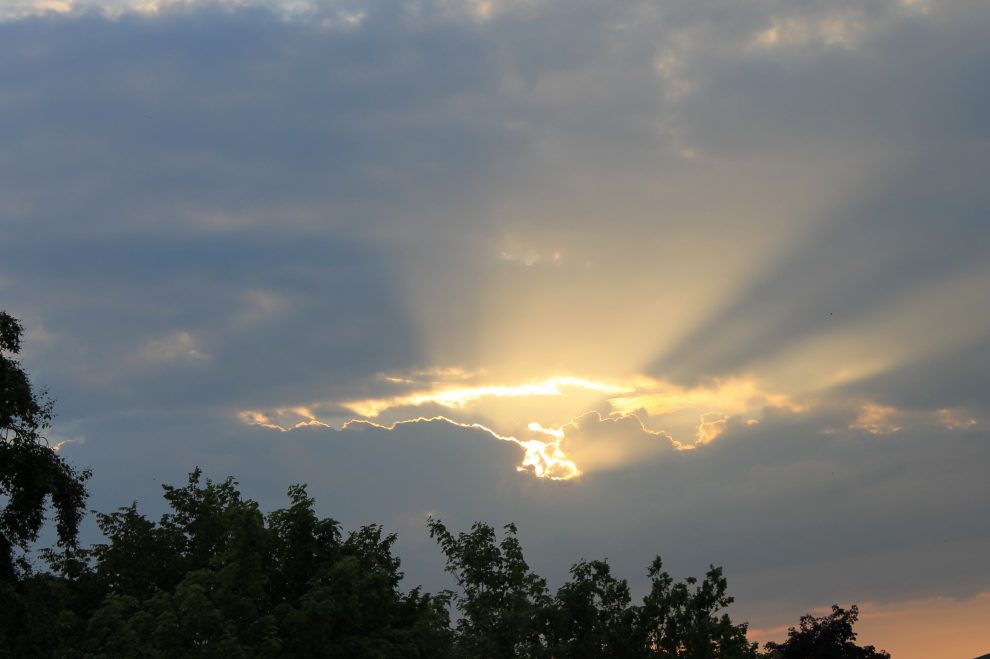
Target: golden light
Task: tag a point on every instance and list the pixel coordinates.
(460, 397)
(689, 416)
(544, 459)
(551, 339)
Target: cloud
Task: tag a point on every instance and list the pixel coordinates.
(461, 396)
(177, 346)
(597, 443)
(884, 420)
(641, 418)
(848, 270)
(774, 211)
(734, 396)
(694, 415)
(946, 379)
(800, 509)
(792, 32)
(116, 9)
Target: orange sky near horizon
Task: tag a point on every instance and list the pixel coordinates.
(930, 628)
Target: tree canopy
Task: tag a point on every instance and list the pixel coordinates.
(507, 610)
(215, 577)
(31, 472)
(828, 637)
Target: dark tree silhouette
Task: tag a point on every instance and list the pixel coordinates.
(592, 616)
(680, 619)
(828, 637)
(507, 611)
(31, 472)
(31, 475)
(216, 578)
(501, 601)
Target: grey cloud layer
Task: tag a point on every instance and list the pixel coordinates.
(209, 209)
(797, 509)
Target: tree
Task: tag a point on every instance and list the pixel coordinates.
(828, 637)
(506, 610)
(678, 621)
(31, 474)
(591, 616)
(213, 577)
(502, 603)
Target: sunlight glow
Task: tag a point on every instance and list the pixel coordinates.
(691, 417)
(544, 459)
(696, 415)
(729, 396)
(547, 460)
(879, 419)
(459, 397)
(256, 418)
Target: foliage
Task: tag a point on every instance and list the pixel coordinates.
(828, 637)
(31, 474)
(507, 611)
(215, 578)
(501, 600)
(681, 622)
(591, 616)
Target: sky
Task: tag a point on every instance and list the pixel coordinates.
(699, 279)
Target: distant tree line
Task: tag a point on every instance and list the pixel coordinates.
(215, 577)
